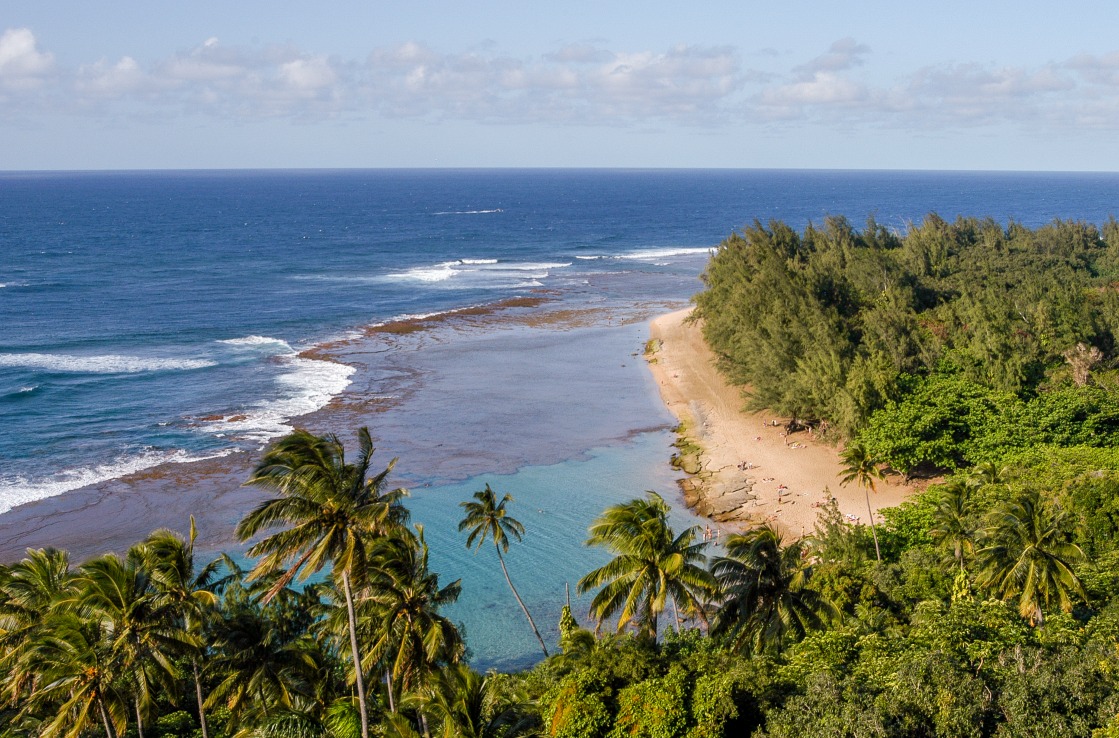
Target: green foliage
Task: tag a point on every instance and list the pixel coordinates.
(935, 423)
(654, 708)
(577, 707)
(179, 724)
(945, 346)
(825, 710)
(724, 701)
(906, 525)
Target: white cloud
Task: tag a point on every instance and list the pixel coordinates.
(22, 65)
(581, 84)
(842, 55)
(577, 84)
(111, 80)
(308, 75)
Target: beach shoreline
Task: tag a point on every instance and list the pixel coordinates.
(743, 469)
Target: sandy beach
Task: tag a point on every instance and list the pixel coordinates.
(748, 471)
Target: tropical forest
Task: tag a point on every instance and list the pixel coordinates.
(974, 360)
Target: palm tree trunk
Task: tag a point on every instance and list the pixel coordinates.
(676, 611)
(198, 694)
(358, 680)
(388, 687)
(521, 603)
(105, 719)
(139, 720)
(873, 532)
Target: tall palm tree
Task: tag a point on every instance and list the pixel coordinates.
(144, 637)
(332, 511)
(1027, 554)
(488, 518)
(185, 590)
(402, 607)
(766, 598)
(650, 565)
(859, 467)
(953, 520)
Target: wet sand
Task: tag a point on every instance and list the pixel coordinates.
(746, 470)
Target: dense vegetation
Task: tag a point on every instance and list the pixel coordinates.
(986, 605)
(994, 612)
(954, 344)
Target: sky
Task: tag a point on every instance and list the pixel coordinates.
(977, 85)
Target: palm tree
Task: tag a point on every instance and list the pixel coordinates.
(402, 607)
(953, 524)
(859, 467)
(650, 565)
(183, 589)
(987, 472)
(333, 510)
(265, 669)
(1027, 554)
(143, 635)
(466, 704)
(27, 596)
(80, 677)
(766, 598)
(488, 518)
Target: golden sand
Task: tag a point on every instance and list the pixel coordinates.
(746, 469)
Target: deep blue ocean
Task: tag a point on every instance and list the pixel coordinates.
(150, 317)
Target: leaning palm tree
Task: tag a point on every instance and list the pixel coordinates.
(1027, 554)
(487, 518)
(766, 598)
(650, 565)
(858, 466)
(185, 590)
(402, 609)
(332, 510)
(953, 522)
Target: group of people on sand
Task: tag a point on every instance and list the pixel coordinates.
(708, 536)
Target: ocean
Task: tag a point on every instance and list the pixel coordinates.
(486, 324)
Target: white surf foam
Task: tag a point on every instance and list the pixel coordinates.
(479, 273)
(664, 253)
(19, 491)
(104, 364)
(649, 254)
(259, 342)
(469, 212)
(533, 266)
(307, 385)
(437, 273)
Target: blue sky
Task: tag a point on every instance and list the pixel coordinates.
(202, 84)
